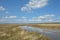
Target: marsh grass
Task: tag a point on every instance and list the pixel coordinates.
(48, 26)
(12, 32)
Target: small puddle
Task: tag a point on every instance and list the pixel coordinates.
(53, 34)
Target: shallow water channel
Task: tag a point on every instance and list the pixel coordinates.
(52, 34)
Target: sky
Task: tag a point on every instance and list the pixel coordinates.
(29, 11)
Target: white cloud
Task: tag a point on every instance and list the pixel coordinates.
(26, 9)
(50, 20)
(10, 17)
(46, 16)
(23, 19)
(35, 19)
(43, 18)
(34, 4)
(2, 8)
(7, 19)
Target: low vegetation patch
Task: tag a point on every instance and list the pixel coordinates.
(49, 26)
(12, 32)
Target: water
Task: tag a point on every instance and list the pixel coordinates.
(53, 34)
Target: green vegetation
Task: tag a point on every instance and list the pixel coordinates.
(12, 32)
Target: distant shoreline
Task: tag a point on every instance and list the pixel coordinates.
(48, 26)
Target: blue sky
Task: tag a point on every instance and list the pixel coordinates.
(29, 11)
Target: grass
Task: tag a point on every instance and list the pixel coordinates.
(49, 26)
(12, 32)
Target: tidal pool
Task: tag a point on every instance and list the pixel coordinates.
(52, 34)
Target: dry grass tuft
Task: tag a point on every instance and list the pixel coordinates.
(12, 32)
